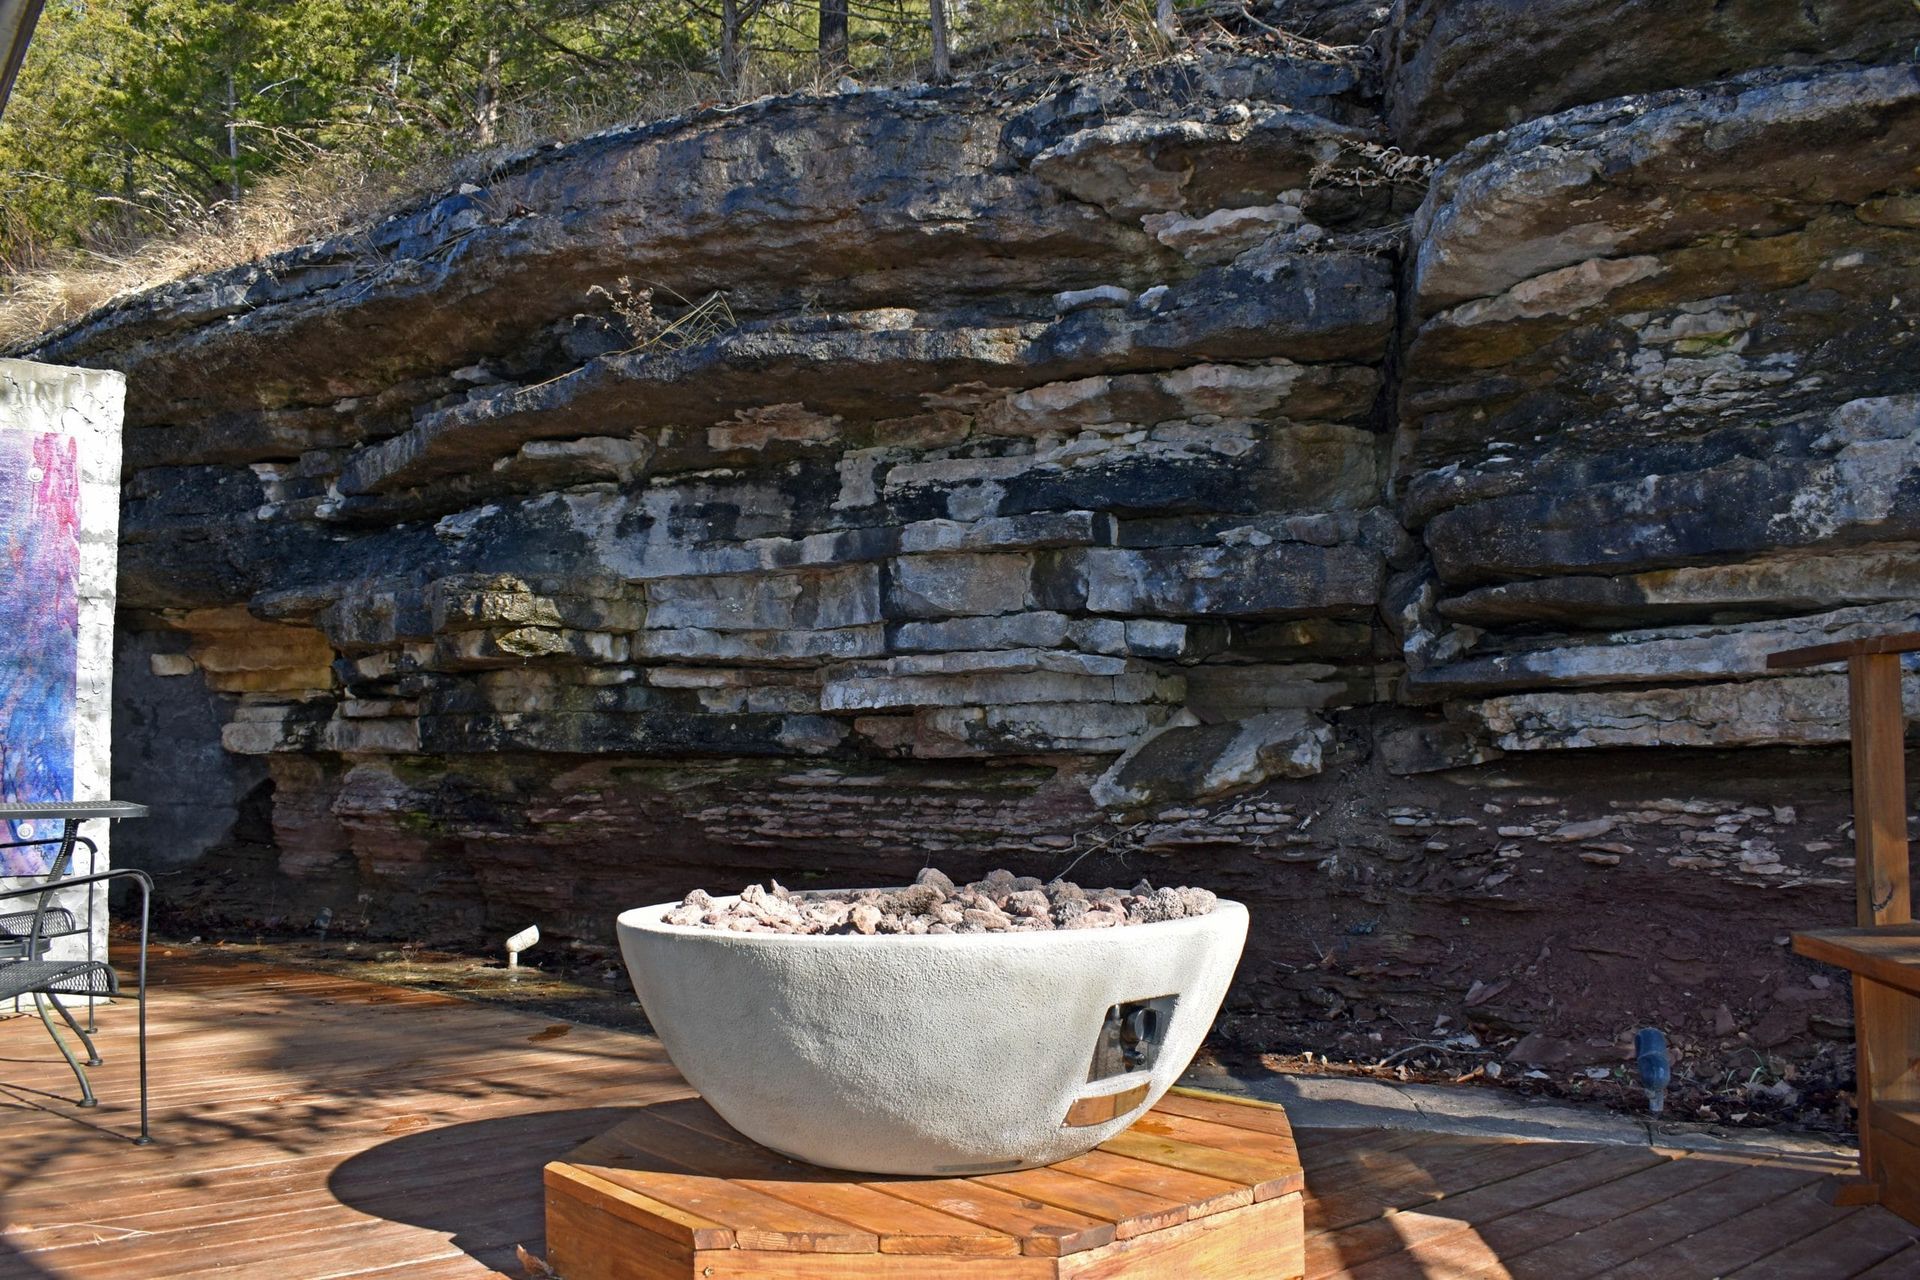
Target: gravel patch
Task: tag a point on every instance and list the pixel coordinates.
(1002, 902)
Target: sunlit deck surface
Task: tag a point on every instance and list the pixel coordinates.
(311, 1126)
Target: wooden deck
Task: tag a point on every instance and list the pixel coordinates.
(314, 1127)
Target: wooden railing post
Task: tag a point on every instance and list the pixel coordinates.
(1879, 790)
(1884, 893)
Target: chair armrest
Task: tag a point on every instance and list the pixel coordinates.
(54, 886)
(48, 888)
(93, 850)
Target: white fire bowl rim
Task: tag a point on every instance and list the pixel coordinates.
(651, 919)
(935, 1054)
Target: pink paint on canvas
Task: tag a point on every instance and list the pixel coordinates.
(39, 629)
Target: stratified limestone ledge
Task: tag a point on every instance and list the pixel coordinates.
(1152, 464)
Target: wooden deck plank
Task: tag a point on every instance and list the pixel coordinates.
(900, 1225)
(1332, 1252)
(262, 1188)
(735, 1265)
(1903, 1265)
(324, 1242)
(1220, 1137)
(685, 1227)
(1600, 1250)
(1203, 1195)
(1260, 1240)
(1343, 1163)
(1131, 1211)
(1044, 1230)
(1242, 1113)
(234, 1135)
(265, 1175)
(302, 1235)
(174, 1225)
(318, 1128)
(455, 1266)
(384, 1098)
(693, 1138)
(1721, 1248)
(362, 1094)
(1482, 1250)
(757, 1221)
(385, 1091)
(1268, 1176)
(1410, 1176)
(245, 1156)
(181, 1080)
(1843, 1249)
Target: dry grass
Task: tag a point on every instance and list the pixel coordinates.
(306, 203)
(317, 194)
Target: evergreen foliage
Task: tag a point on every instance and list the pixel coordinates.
(137, 117)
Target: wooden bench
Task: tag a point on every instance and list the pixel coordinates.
(1203, 1187)
(1883, 951)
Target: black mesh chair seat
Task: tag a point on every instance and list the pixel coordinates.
(57, 977)
(55, 922)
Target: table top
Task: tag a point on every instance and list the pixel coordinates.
(1886, 953)
(73, 809)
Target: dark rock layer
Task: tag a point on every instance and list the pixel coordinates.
(1462, 68)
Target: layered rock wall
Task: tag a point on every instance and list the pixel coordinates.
(1167, 472)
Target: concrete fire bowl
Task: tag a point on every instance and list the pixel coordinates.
(942, 1054)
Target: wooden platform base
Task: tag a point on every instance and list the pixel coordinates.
(1201, 1187)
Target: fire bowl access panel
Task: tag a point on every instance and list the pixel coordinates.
(1130, 1037)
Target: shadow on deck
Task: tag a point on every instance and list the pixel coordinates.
(311, 1126)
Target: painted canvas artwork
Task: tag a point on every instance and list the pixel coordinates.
(39, 625)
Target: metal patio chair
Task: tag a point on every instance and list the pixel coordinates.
(56, 921)
(26, 937)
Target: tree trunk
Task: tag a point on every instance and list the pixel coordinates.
(233, 141)
(833, 37)
(487, 100)
(942, 65)
(730, 44)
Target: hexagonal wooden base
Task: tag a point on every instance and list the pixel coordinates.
(1203, 1186)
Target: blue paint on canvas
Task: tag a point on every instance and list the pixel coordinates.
(39, 630)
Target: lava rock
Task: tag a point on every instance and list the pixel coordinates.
(999, 902)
